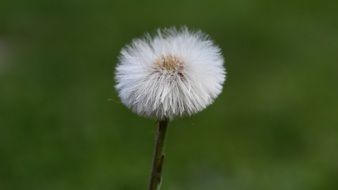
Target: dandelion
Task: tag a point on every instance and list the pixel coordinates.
(175, 73)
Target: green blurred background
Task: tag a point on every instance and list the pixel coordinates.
(274, 126)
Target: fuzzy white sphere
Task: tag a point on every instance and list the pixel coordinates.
(174, 73)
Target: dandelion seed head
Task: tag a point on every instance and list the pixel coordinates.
(177, 72)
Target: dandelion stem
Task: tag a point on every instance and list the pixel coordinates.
(158, 157)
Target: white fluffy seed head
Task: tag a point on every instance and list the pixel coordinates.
(174, 73)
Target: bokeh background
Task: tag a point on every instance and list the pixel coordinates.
(62, 125)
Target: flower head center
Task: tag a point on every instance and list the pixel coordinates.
(169, 63)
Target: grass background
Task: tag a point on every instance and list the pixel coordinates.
(274, 126)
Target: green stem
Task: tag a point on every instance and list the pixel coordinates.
(158, 157)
